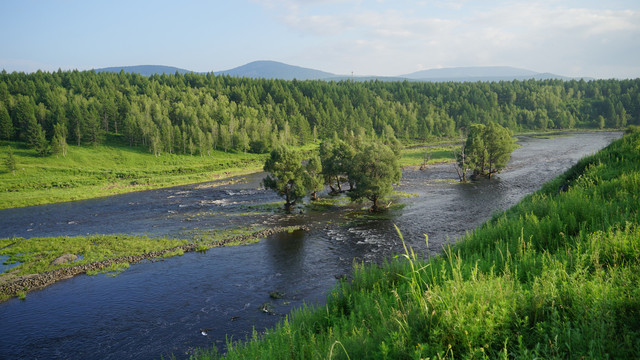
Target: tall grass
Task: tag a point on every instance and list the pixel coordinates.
(555, 277)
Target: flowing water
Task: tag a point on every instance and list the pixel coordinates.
(161, 308)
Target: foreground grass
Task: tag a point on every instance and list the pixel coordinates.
(88, 172)
(557, 276)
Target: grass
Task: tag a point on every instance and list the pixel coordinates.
(36, 254)
(555, 277)
(89, 172)
(415, 156)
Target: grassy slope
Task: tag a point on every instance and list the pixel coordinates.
(556, 276)
(89, 172)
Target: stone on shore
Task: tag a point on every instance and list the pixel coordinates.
(63, 259)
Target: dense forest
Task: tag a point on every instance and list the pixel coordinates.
(197, 113)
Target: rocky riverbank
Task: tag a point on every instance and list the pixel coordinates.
(14, 285)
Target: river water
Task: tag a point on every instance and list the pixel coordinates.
(160, 308)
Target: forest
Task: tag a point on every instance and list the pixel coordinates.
(197, 113)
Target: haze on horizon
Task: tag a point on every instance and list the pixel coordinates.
(575, 38)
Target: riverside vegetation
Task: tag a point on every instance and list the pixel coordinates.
(556, 276)
(43, 261)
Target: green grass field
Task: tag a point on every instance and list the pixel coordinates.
(415, 156)
(89, 172)
(555, 277)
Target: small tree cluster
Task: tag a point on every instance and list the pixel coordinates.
(371, 170)
(486, 151)
(289, 178)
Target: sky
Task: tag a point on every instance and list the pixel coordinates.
(581, 38)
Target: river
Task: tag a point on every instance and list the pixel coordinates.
(160, 308)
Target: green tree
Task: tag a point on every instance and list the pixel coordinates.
(314, 181)
(6, 125)
(499, 144)
(374, 171)
(475, 150)
(59, 140)
(336, 156)
(488, 148)
(286, 175)
(36, 138)
(10, 161)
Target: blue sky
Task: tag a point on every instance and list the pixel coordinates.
(599, 39)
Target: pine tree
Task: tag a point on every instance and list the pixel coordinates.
(6, 125)
(10, 161)
(36, 138)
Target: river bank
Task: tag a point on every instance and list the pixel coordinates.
(556, 276)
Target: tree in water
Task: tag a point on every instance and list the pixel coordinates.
(336, 156)
(500, 144)
(462, 164)
(374, 170)
(314, 181)
(286, 175)
(488, 148)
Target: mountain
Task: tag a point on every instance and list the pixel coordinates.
(146, 70)
(275, 70)
(480, 73)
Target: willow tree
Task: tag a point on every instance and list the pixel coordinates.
(286, 175)
(374, 170)
(499, 144)
(488, 148)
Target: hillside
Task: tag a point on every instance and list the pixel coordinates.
(275, 70)
(480, 73)
(146, 70)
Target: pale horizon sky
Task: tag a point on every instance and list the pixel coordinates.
(588, 38)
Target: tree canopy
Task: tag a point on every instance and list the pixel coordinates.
(374, 170)
(198, 113)
(487, 149)
(286, 175)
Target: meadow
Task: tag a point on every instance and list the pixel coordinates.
(94, 171)
(554, 277)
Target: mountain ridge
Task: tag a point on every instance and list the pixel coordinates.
(268, 69)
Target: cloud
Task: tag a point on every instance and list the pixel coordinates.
(543, 35)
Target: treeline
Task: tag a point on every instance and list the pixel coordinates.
(198, 113)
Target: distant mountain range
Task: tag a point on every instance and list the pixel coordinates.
(278, 70)
(146, 70)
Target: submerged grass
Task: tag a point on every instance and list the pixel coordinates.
(557, 276)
